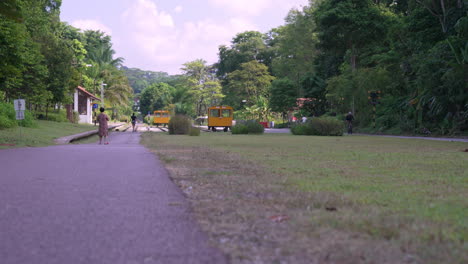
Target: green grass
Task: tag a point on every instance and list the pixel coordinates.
(42, 135)
(407, 190)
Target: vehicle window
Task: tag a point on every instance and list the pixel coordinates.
(226, 113)
(158, 115)
(214, 112)
(165, 114)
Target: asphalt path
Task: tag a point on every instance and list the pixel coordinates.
(95, 204)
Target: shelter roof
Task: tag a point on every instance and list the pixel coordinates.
(92, 96)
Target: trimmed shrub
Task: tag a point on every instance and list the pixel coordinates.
(301, 129)
(319, 126)
(254, 127)
(179, 125)
(327, 126)
(194, 131)
(247, 127)
(282, 125)
(239, 129)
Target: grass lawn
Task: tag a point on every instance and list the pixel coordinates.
(42, 135)
(299, 199)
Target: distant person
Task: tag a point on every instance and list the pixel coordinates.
(102, 119)
(304, 119)
(133, 121)
(349, 121)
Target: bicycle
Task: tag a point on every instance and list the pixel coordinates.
(350, 127)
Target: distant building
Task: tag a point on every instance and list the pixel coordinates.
(83, 104)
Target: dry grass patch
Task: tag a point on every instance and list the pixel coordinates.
(291, 199)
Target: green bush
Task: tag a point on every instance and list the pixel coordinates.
(28, 120)
(7, 116)
(194, 131)
(53, 116)
(254, 127)
(327, 126)
(301, 129)
(124, 118)
(239, 129)
(5, 122)
(319, 126)
(282, 125)
(179, 125)
(247, 127)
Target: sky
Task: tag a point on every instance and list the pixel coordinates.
(162, 35)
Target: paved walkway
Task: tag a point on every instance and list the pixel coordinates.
(95, 204)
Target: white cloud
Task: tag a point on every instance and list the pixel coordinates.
(246, 7)
(256, 7)
(90, 24)
(178, 9)
(146, 14)
(158, 44)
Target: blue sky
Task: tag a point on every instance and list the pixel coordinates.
(161, 35)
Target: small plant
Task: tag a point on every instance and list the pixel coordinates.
(179, 125)
(194, 131)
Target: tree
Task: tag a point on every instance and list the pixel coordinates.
(245, 47)
(203, 84)
(283, 95)
(347, 27)
(295, 45)
(251, 82)
(155, 97)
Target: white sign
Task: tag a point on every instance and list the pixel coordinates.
(20, 105)
(19, 115)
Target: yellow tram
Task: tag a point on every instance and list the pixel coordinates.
(220, 116)
(161, 117)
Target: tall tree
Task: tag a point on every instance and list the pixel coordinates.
(155, 97)
(251, 82)
(245, 47)
(204, 86)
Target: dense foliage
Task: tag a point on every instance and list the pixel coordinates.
(8, 117)
(399, 66)
(44, 59)
(340, 53)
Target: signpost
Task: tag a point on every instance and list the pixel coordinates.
(20, 107)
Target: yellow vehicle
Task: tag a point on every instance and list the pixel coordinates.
(220, 116)
(161, 117)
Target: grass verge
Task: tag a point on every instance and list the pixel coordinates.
(42, 135)
(278, 198)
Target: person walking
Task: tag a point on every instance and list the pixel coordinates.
(102, 119)
(133, 121)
